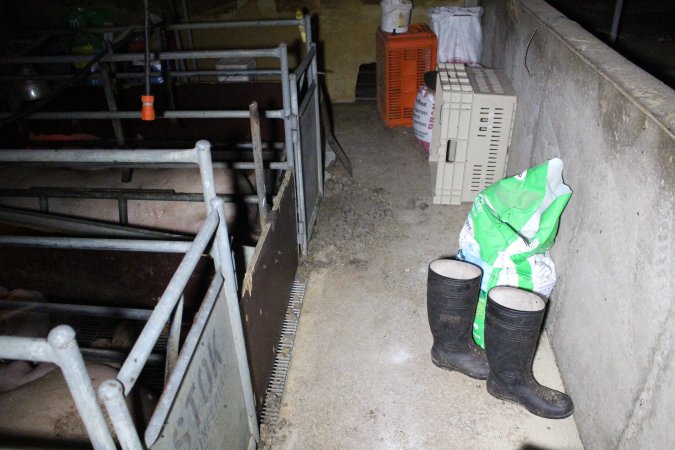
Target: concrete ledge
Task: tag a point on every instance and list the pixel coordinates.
(652, 96)
(611, 316)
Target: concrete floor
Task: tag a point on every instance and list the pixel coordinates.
(361, 375)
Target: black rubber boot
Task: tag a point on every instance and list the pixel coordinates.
(452, 294)
(512, 323)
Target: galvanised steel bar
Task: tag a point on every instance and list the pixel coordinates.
(235, 24)
(136, 75)
(131, 245)
(130, 57)
(314, 70)
(175, 379)
(299, 174)
(81, 310)
(191, 39)
(80, 227)
(226, 267)
(281, 165)
(111, 392)
(307, 21)
(106, 115)
(286, 98)
(128, 374)
(203, 156)
(67, 356)
(99, 156)
(27, 349)
(186, 26)
(166, 195)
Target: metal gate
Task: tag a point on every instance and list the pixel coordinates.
(307, 142)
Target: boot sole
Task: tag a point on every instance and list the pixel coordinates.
(512, 399)
(450, 368)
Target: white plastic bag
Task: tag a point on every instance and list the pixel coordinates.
(423, 116)
(460, 37)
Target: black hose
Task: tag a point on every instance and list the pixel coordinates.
(146, 31)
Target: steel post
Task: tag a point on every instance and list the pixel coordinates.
(282, 54)
(111, 392)
(68, 357)
(132, 367)
(226, 268)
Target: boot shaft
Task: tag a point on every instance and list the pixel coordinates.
(513, 320)
(453, 284)
(452, 295)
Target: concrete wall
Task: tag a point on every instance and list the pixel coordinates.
(610, 317)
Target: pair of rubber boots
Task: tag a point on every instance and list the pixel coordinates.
(513, 320)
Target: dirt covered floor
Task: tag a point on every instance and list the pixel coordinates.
(361, 376)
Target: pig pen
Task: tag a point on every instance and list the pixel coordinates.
(110, 237)
(100, 107)
(200, 341)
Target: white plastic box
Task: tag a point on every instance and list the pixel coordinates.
(473, 120)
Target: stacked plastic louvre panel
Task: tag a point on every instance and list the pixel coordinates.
(402, 60)
(473, 120)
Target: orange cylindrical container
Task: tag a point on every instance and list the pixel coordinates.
(148, 108)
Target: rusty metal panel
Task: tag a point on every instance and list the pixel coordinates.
(267, 287)
(209, 410)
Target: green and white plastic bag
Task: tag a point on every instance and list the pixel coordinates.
(510, 228)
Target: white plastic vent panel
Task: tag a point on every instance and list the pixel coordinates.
(473, 121)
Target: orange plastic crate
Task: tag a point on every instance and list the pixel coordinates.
(402, 60)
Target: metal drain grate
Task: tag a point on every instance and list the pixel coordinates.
(275, 390)
(89, 329)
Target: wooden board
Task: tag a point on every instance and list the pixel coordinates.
(267, 286)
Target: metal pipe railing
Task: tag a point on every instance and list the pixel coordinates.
(112, 392)
(225, 265)
(286, 97)
(107, 115)
(131, 57)
(131, 369)
(137, 75)
(235, 24)
(131, 245)
(61, 348)
(99, 156)
(180, 26)
(175, 379)
(112, 312)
